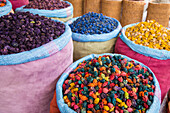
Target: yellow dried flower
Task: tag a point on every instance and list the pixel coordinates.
(150, 34)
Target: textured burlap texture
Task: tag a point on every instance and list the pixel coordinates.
(111, 8)
(132, 12)
(159, 12)
(161, 1)
(82, 49)
(78, 7)
(92, 6)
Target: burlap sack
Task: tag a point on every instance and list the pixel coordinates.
(91, 6)
(82, 49)
(95, 43)
(78, 7)
(161, 1)
(159, 12)
(132, 12)
(111, 8)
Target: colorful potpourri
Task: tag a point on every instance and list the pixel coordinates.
(109, 85)
(2, 3)
(150, 34)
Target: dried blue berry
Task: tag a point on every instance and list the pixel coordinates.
(93, 23)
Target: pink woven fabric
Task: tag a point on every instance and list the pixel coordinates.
(161, 68)
(29, 87)
(18, 3)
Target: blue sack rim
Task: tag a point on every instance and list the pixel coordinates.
(6, 9)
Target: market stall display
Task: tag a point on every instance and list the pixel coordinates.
(159, 12)
(59, 10)
(78, 7)
(5, 7)
(108, 83)
(34, 52)
(132, 12)
(148, 42)
(93, 33)
(37, 47)
(92, 6)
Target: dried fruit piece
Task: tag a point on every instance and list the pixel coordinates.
(47, 4)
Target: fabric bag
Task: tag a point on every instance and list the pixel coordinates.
(27, 79)
(18, 3)
(93, 44)
(6, 9)
(159, 12)
(111, 8)
(132, 12)
(63, 107)
(78, 7)
(157, 60)
(61, 14)
(91, 6)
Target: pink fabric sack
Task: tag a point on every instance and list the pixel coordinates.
(29, 87)
(18, 3)
(28, 79)
(161, 68)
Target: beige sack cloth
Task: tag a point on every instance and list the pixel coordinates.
(111, 8)
(63, 19)
(77, 6)
(82, 49)
(159, 12)
(11, 12)
(91, 6)
(132, 12)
